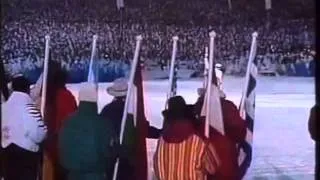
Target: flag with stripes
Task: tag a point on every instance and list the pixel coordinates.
(211, 108)
(174, 81)
(93, 65)
(140, 123)
(136, 108)
(93, 73)
(247, 111)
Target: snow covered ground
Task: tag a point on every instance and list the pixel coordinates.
(282, 146)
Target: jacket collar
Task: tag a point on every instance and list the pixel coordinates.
(20, 97)
(178, 131)
(88, 108)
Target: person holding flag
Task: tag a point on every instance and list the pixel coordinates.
(86, 141)
(181, 152)
(21, 146)
(126, 112)
(60, 104)
(234, 128)
(114, 112)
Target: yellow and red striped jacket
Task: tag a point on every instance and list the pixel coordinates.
(191, 159)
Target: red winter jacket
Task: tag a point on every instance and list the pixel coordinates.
(66, 105)
(226, 145)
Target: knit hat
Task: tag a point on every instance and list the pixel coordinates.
(219, 69)
(88, 92)
(119, 88)
(20, 83)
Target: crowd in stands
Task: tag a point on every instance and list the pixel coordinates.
(71, 25)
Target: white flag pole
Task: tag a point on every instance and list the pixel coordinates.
(93, 53)
(230, 4)
(206, 68)
(130, 87)
(212, 35)
(45, 75)
(251, 58)
(173, 60)
(268, 4)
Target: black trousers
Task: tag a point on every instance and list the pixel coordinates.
(20, 164)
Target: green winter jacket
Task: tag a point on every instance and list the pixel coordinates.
(87, 142)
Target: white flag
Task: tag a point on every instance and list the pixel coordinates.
(214, 116)
(268, 4)
(120, 4)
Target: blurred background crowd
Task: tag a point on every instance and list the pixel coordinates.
(285, 41)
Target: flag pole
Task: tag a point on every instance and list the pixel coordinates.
(45, 75)
(212, 35)
(251, 58)
(172, 66)
(93, 53)
(230, 4)
(130, 86)
(206, 68)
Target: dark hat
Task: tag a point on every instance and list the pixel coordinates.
(20, 83)
(177, 108)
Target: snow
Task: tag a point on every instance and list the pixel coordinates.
(283, 148)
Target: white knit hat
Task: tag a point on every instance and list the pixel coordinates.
(88, 92)
(219, 71)
(119, 88)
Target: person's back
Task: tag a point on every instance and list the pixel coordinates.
(226, 145)
(86, 142)
(23, 130)
(22, 123)
(192, 159)
(181, 153)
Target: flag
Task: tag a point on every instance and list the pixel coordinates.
(93, 74)
(230, 4)
(173, 70)
(135, 131)
(174, 81)
(140, 122)
(247, 111)
(268, 4)
(136, 109)
(206, 68)
(120, 4)
(93, 65)
(211, 108)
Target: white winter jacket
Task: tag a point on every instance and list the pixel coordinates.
(22, 123)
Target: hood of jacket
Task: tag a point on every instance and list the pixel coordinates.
(178, 131)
